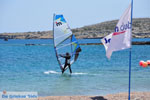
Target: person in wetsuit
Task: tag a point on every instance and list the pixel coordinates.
(67, 62)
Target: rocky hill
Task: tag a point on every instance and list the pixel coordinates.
(141, 29)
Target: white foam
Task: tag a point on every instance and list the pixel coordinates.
(51, 72)
(54, 72)
(79, 73)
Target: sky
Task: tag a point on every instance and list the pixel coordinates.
(37, 15)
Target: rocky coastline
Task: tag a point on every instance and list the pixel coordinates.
(141, 29)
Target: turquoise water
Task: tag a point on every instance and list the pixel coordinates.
(35, 68)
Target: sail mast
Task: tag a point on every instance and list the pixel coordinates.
(53, 28)
(54, 43)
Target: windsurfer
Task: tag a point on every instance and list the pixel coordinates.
(67, 62)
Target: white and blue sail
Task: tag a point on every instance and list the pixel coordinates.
(64, 40)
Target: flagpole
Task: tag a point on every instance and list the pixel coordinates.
(130, 53)
(129, 73)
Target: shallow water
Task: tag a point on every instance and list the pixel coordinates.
(35, 68)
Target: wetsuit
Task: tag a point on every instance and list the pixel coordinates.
(67, 62)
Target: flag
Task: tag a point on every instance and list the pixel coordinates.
(106, 40)
(121, 38)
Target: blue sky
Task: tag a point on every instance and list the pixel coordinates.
(37, 15)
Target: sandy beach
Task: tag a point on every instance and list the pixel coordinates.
(118, 96)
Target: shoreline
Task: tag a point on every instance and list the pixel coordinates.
(52, 38)
(116, 96)
(32, 44)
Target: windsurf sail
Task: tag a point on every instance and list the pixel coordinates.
(64, 41)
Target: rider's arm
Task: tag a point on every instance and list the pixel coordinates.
(62, 56)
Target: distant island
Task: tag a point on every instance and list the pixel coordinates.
(141, 29)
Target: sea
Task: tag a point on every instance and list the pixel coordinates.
(34, 68)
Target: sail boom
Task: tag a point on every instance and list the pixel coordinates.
(64, 45)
